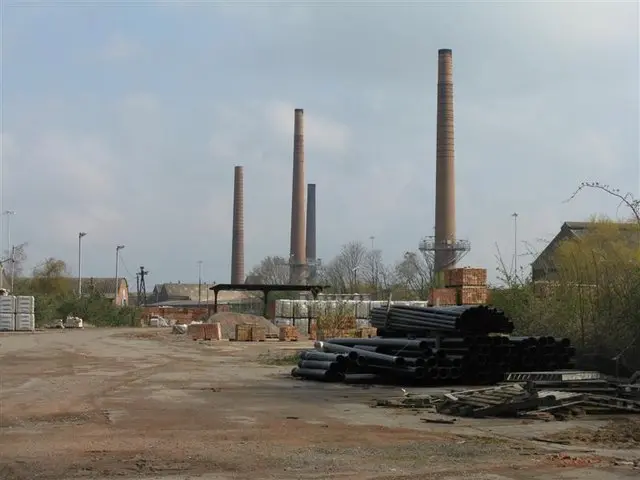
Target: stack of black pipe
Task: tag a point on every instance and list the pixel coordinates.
(398, 321)
(444, 345)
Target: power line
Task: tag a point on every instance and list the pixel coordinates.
(124, 265)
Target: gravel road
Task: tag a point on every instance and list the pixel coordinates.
(142, 403)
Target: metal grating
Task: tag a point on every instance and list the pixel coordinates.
(560, 376)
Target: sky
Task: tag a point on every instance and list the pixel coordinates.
(125, 120)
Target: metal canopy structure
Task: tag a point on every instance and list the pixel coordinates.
(265, 289)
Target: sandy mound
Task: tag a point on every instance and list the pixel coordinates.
(618, 432)
(229, 320)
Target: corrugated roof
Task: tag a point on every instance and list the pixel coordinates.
(189, 291)
(103, 286)
(578, 230)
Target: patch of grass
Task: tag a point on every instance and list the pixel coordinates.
(279, 358)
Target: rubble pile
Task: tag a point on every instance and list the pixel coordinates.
(532, 393)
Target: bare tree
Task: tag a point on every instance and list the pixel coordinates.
(51, 277)
(344, 272)
(375, 273)
(416, 273)
(626, 199)
(16, 259)
(272, 270)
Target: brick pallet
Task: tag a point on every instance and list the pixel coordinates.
(205, 331)
(465, 277)
(258, 334)
(288, 333)
(243, 333)
(472, 295)
(443, 297)
(250, 333)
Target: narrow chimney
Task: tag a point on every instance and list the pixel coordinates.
(445, 177)
(311, 231)
(237, 245)
(297, 252)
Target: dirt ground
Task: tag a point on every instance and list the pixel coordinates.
(143, 403)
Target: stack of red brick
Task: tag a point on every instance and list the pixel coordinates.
(288, 333)
(248, 332)
(463, 286)
(205, 331)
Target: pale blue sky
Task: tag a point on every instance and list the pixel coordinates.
(125, 119)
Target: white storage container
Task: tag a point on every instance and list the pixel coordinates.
(25, 304)
(278, 308)
(286, 309)
(300, 309)
(25, 321)
(7, 322)
(7, 304)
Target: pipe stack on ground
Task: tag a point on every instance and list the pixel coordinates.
(440, 346)
(402, 320)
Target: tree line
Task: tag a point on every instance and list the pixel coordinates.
(358, 269)
(56, 295)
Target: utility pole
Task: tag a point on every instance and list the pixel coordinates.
(374, 259)
(8, 214)
(80, 235)
(199, 281)
(142, 288)
(138, 289)
(118, 248)
(515, 243)
(13, 266)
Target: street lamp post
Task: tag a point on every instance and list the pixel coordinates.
(13, 265)
(8, 214)
(375, 268)
(515, 243)
(118, 248)
(80, 235)
(199, 281)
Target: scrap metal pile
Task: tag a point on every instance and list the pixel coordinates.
(442, 345)
(532, 394)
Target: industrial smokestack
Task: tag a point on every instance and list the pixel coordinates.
(237, 245)
(297, 251)
(445, 234)
(311, 231)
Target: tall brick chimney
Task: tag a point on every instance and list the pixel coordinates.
(445, 176)
(311, 232)
(237, 245)
(297, 265)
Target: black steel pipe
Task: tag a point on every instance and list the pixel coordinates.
(362, 378)
(323, 356)
(416, 362)
(404, 372)
(333, 348)
(320, 365)
(313, 374)
(374, 358)
(396, 343)
(369, 348)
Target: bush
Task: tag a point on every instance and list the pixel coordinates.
(593, 297)
(94, 309)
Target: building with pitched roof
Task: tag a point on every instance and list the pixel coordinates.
(543, 268)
